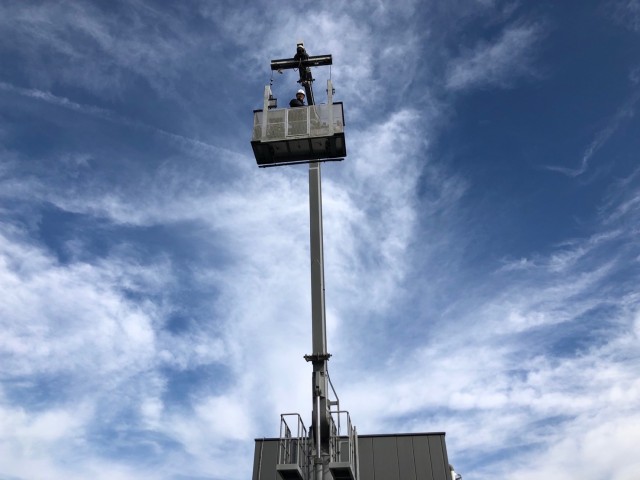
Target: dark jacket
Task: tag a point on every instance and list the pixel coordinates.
(296, 103)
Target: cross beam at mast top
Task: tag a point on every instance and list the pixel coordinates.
(289, 63)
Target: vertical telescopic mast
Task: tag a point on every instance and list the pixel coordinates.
(319, 357)
(329, 455)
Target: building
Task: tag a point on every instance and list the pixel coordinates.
(414, 456)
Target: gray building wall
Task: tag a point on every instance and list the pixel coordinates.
(415, 456)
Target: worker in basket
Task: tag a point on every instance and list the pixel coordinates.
(299, 100)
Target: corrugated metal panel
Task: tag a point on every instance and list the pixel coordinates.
(365, 452)
(424, 469)
(265, 459)
(406, 458)
(420, 456)
(439, 460)
(385, 458)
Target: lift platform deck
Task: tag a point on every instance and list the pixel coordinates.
(298, 135)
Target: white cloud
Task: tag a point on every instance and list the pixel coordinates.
(478, 367)
(497, 64)
(626, 12)
(193, 146)
(495, 373)
(58, 318)
(95, 49)
(598, 446)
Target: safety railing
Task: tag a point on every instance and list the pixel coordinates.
(343, 445)
(293, 446)
(301, 122)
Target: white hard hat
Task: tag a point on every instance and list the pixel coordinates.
(301, 91)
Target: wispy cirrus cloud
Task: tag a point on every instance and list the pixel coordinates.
(624, 113)
(499, 63)
(626, 12)
(156, 312)
(91, 48)
(191, 144)
(547, 343)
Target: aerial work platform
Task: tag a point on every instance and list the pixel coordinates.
(330, 449)
(313, 133)
(298, 135)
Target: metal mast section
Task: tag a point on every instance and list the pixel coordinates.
(321, 422)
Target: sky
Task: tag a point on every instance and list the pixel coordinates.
(480, 238)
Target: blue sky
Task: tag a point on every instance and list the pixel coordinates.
(481, 237)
